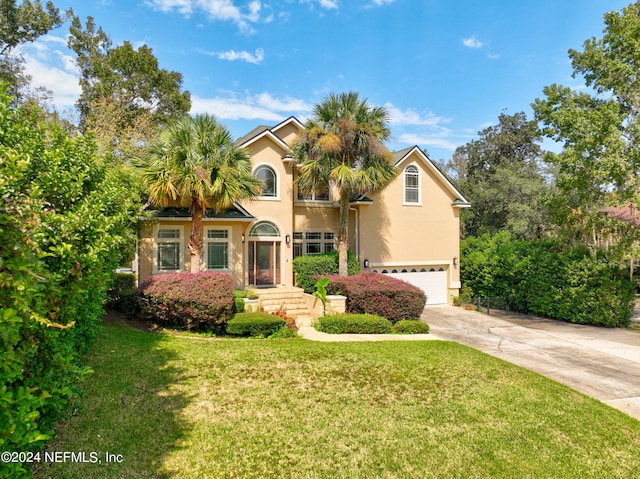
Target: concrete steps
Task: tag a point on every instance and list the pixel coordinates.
(289, 299)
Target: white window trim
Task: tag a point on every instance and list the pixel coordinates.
(277, 174)
(404, 187)
(180, 241)
(313, 198)
(322, 241)
(207, 240)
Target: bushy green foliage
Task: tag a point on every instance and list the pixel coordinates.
(254, 324)
(411, 326)
(238, 300)
(353, 324)
(546, 278)
(189, 300)
(64, 218)
(376, 293)
(308, 268)
(121, 296)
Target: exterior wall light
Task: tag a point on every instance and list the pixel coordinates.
(366, 263)
(455, 261)
(287, 239)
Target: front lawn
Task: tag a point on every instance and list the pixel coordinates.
(220, 408)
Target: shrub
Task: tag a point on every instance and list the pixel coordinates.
(410, 326)
(547, 278)
(64, 219)
(353, 323)
(238, 300)
(121, 296)
(308, 268)
(258, 324)
(376, 293)
(189, 300)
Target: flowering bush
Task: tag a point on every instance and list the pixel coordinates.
(189, 300)
(376, 293)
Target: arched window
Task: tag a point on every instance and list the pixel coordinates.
(269, 181)
(264, 228)
(411, 185)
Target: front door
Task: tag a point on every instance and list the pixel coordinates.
(264, 263)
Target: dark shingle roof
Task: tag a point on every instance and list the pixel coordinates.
(253, 133)
(235, 212)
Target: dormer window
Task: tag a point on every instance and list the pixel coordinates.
(411, 185)
(269, 181)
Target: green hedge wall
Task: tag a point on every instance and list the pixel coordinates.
(64, 220)
(548, 279)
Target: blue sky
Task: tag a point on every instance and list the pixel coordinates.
(444, 69)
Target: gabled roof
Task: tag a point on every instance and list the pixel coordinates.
(255, 132)
(261, 132)
(290, 120)
(270, 131)
(402, 155)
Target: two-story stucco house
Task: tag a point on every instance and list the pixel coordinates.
(411, 230)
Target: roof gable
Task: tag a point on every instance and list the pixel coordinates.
(405, 155)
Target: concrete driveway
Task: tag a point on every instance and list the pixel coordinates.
(602, 363)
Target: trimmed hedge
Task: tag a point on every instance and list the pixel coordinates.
(308, 268)
(411, 326)
(379, 294)
(353, 324)
(549, 279)
(255, 324)
(188, 300)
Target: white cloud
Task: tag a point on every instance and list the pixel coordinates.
(263, 106)
(380, 3)
(63, 83)
(411, 117)
(472, 42)
(328, 4)
(429, 140)
(216, 10)
(233, 55)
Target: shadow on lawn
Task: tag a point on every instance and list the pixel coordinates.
(131, 411)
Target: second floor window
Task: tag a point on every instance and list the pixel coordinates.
(269, 181)
(411, 185)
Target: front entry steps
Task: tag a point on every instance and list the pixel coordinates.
(287, 298)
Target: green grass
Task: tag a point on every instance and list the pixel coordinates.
(222, 408)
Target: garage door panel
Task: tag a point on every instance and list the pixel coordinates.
(433, 283)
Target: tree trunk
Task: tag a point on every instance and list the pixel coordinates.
(195, 240)
(343, 236)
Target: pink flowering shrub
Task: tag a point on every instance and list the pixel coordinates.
(379, 294)
(188, 300)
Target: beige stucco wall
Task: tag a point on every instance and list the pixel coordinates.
(147, 251)
(278, 210)
(389, 232)
(392, 233)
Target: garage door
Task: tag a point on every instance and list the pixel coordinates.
(433, 283)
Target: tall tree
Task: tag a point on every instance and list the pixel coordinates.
(20, 24)
(196, 159)
(124, 92)
(599, 129)
(500, 174)
(342, 145)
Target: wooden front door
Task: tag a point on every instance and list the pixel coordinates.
(264, 263)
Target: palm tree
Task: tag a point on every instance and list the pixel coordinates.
(342, 145)
(196, 158)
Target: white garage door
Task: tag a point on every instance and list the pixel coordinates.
(433, 283)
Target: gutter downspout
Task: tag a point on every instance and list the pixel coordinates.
(357, 238)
